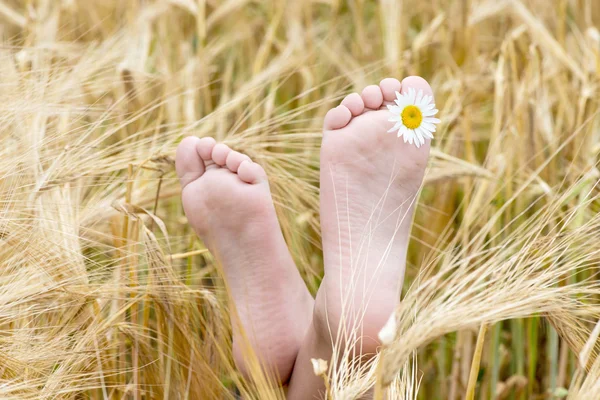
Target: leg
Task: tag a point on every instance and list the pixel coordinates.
(369, 182)
(227, 200)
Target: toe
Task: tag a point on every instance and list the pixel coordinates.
(354, 103)
(205, 148)
(188, 163)
(251, 172)
(234, 159)
(337, 118)
(372, 97)
(389, 87)
(417, 83)
(220, 153)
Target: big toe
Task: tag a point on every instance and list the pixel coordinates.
(188, 164)
(417, 83)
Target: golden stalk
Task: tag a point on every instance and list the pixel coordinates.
(472, 383)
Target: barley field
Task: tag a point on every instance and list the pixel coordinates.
(106, 292)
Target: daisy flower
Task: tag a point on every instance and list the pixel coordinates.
(413, 115)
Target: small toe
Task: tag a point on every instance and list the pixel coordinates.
(389, 87)
(372, 97)
(417, 83)
(354, 103)
(234, 159)
(337, 118)
(220, 153)
(205, 148)
(188, 164)
(251, 172)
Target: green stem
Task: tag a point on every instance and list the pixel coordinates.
(495, 359)
(553, 358)
(532, 351)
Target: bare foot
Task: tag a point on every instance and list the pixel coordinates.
(227, 200)
(369, 182)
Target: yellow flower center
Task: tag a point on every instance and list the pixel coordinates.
(412, 117)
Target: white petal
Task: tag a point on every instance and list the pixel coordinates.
(417, 132)
(415, 135)
(411, 95)
(400, 96)
(432, 120)
(418, 137)
(429, 113)
(429, 121)
(395, 118)
(424, 133)
(403, 132)
(394, 109)
(419, 97)
(396, 127)
(428, 126)
(402, 102)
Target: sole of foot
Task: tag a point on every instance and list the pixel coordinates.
(369, 183)
(227, 201)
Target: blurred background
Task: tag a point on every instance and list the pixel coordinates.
(105, 291)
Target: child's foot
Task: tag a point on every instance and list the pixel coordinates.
(369, 182)
(227, 200)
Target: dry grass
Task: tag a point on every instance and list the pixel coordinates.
(106, 293)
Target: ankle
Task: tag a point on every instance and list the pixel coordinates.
(272, 361)
(351, 328)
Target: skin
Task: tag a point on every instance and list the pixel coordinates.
(227, 200)
(369, 182)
